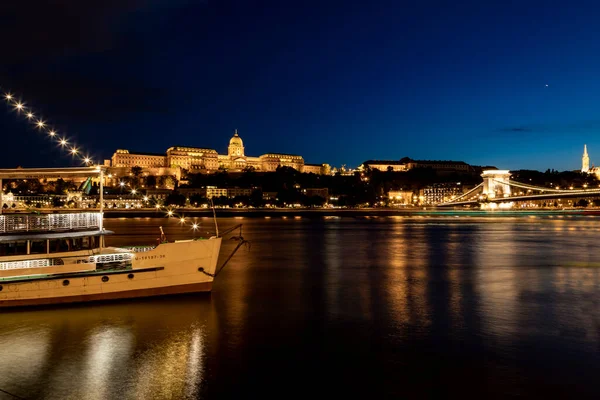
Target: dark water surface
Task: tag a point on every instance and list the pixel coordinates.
(390, 307)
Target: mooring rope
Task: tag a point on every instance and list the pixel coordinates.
(241, 243)
(13, 395)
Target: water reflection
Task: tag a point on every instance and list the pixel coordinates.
(172, 368)
(144, 349)
(497, 256)
(24, 351)
(386, 307)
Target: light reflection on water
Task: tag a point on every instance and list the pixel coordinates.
(411, 307)
(149, 349)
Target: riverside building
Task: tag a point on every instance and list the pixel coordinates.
(585, 164)
(406, 164)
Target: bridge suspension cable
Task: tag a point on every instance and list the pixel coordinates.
(455, 200)
(532, 187)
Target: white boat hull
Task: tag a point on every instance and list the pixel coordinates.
(170, 268)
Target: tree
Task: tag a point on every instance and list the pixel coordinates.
(167, 181)
(221, 201)
(256, 199)
(61, 186)
(151, 181)
(95, 189)
(313, 201)
(175, 199)
(243, 200)
(136, 172)
(57, 202)
(198, 200)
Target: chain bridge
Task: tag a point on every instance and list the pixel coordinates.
(497, 189)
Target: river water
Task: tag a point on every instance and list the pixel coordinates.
(388, 307)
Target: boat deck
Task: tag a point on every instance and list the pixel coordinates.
(26, 223)
(51, 235)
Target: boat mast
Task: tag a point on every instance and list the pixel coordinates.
(101, 225)
(214, 217)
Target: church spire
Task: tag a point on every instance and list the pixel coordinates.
(585, 160)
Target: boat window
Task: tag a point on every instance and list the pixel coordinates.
(88, 242)
(72, 244)
(76, 244)
(37, 247)
(59, 245)
(13, 248)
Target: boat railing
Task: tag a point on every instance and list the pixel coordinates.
(8, 265)
(49, 222)
(106, 258)
(51, 262)
(138, 249)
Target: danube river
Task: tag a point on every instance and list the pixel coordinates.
(387, 307)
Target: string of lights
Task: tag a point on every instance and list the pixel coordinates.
(61, 140)
(68, 145)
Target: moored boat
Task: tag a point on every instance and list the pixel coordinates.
(62, 257)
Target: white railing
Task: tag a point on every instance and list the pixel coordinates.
(46, 262)
(49, 262)
(49, 222)
(106, 258)
(139, 249)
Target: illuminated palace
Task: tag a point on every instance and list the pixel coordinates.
(202, 160)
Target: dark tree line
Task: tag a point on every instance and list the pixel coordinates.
(553, 178)
(366, 187)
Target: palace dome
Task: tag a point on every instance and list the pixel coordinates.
(236, 140)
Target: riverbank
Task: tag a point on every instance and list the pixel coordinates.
(320, 213)
(311, 213)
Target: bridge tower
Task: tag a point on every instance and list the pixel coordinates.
(495, 183)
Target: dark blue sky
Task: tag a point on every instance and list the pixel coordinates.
(334, 81)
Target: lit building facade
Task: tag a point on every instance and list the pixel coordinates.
(439, 193)
(316, 192)
(585, 164)
(402, 197)
(192, 158)
(195, 159)
(212, 191)
(124, 159)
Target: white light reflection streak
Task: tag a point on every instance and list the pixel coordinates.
(109, 349)
(195, 365)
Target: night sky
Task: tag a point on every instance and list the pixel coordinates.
(510, 84)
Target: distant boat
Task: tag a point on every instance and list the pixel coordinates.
(61, 258)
